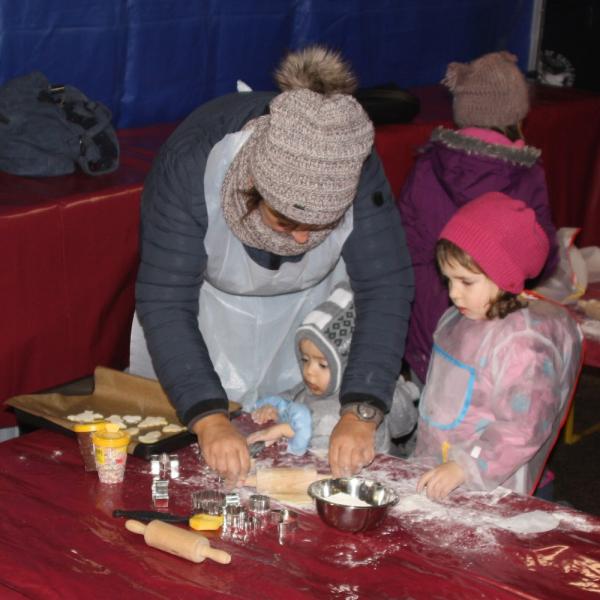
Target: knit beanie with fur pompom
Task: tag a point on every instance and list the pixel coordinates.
(306, 156)
(491, 91)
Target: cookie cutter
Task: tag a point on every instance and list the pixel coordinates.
(164, 465)
(160, 492)
(235, 523)
(232, 499)
(155, 464)
(209, 502)
(259, 504)
(287, 523)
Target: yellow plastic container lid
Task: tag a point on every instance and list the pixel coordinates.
(93, 426)
(111, 439)
(96, 426)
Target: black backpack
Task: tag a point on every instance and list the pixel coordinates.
(49, 129)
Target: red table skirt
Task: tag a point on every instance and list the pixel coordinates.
(70, 253)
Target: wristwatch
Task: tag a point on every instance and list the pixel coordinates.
(364, 411)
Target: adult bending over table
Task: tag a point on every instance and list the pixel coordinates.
(245, 228)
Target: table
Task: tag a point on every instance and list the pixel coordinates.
(59, 540)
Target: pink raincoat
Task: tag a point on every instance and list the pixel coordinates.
(497, 392)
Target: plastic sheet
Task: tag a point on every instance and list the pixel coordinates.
(59, 540)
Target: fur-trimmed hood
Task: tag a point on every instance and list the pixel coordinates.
(525, 156)
(461, 162)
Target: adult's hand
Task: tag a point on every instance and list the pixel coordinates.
(224, 448)
(439, 482)
(351, 446)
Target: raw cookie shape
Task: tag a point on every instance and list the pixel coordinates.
(132, 419)
(87, 416)
(150, 422)
(150, 438)
(117, 420)
(173, 428)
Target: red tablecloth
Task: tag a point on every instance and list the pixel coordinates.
(59, 540)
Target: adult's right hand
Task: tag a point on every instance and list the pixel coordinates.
(224, 449)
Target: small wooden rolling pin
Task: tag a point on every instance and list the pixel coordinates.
(178, 541)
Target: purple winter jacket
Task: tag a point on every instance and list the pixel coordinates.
(452, 170)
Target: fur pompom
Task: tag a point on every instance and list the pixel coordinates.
(452, 75)
(316, 68)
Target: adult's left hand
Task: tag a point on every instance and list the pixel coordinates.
(351, 446)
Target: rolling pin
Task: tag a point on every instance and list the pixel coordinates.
(283, 480)
(178, 541)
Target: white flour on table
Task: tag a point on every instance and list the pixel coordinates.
(477, 511)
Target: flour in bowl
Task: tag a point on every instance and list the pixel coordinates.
(346, 499)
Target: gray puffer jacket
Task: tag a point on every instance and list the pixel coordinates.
(173, 261)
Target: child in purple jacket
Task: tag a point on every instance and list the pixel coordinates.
(487, 153)
(503, 367)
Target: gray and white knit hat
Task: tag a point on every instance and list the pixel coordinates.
(329, 327)
(307, 163)
(491, 91)
(305, 157)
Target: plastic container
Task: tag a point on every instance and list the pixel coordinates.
(111, 455)
(85, 433)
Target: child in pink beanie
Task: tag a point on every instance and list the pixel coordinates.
(503, 366)
(486, 153)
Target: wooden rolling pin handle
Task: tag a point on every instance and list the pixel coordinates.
(219, 556)
(135, 526)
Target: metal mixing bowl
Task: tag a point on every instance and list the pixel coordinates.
(352, 518)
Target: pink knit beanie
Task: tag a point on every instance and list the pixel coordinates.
(502, 236)
(491, 91)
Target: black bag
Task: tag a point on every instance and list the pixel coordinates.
(48, 130)
(386, 104)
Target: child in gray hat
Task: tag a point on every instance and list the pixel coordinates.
(307, 413)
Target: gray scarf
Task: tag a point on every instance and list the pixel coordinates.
(251, 230)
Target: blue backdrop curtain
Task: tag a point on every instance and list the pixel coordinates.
(155, 60)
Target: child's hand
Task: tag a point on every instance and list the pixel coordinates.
(264, 414)
(439, 482)
(271, 434)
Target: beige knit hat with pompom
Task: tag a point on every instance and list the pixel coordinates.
(491, 91)
(305, 157)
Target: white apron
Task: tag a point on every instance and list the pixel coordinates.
(248, 314)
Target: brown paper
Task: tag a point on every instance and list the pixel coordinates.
(114, 392)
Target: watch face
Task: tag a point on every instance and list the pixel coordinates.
(366, 411)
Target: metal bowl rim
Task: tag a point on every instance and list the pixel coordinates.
(314, 494)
